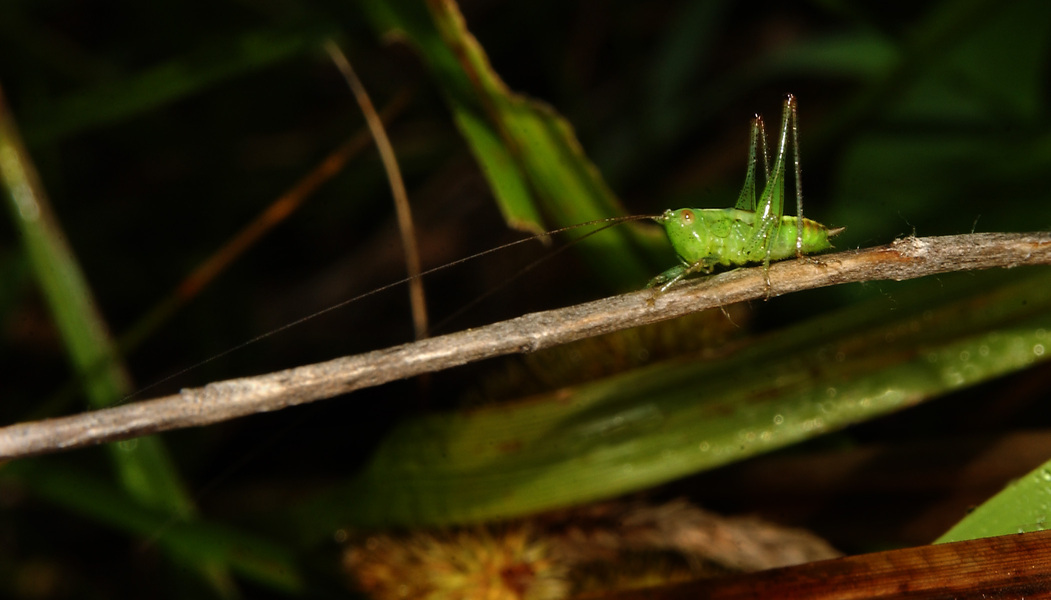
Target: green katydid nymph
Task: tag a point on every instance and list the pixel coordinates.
(753, 231)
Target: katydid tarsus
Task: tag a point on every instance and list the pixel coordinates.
(754, 231)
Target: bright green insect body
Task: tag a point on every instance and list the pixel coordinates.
(754, 231)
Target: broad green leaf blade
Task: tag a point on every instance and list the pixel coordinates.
(144, 467)
(528, 152)
(1025, 505)
(651, 426)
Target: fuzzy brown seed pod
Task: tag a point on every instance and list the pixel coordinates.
(600, 547)
(481, 563)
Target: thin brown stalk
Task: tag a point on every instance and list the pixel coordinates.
(907, 258)
(221, 259)
(274, 214)
(397, 188)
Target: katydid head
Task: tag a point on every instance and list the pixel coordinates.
(683, 214)
(676, 221)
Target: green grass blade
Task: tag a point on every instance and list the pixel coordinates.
(144, 467)
(648, 427)
(193, 543)
(528, 152)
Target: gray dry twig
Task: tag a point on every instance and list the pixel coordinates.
(906, 258)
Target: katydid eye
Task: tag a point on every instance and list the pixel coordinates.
(687, 216)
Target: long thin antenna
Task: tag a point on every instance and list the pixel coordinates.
(529, 267)
(314, 315)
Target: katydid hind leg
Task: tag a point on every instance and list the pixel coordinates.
(774, 193)
(764, 149)
(790, 103)
(770, 210)
(746, 201)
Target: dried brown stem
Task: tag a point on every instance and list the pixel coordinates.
(907, 258)
(1008, 566)
(397, 187)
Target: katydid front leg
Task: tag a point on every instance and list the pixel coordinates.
(672, 276)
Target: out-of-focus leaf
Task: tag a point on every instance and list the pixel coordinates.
(684, 51)
(672, 419)
(144, 467)
(191, 543)
(857, 56)
(969, 130)
(528, 152)
(122, 99)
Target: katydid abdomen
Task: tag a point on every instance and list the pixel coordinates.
(709, 237)
(728, 236)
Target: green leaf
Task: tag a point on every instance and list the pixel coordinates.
(667, 421)
(1022, 506)
(528, 152)
(192, 543)
(143, 466)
